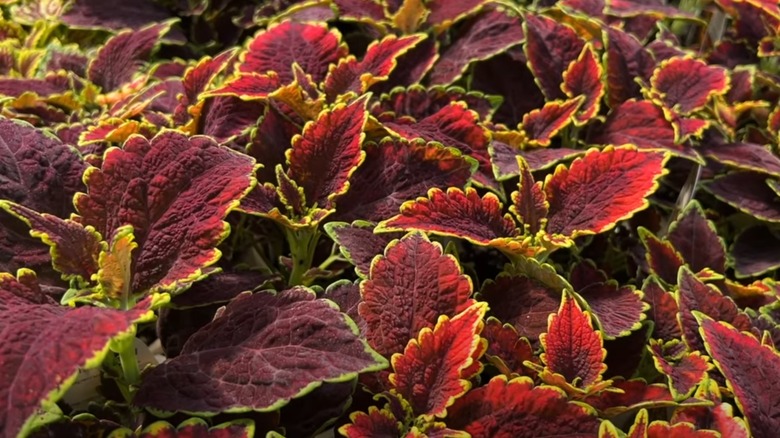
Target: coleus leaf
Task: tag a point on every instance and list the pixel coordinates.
(584, 198)
(755, 252)
(684, 374)
(663, 310)
(529, 202)
(287, 367)
(508, 76)
(434, 368)
(737, 355)
(541, 125)
(748, 192)
(503, 157)
(626, 59)
(685, 84)
(422, 282)
(619, 310)
(642, 124)
(45, 345)
(693, 296)
(38, 172)
(636, 394)
(663, 259)
(113, 15)
(226, 117)
(192, 428)
(507, 351)
(583, 78)
(443, 13)
(412, 66)
(395, 171)
(662, 429)
(328, 151)
(744, 156)
(359, 243)
(74, 249)
(550, 47)
(249, 86)
(484, 35)
(518, 409)
(573, 351)
(419, 102)
(697, 240)
(117, 61)
(163, 187)
(377, 422)
(455, 213)
(351, 75)
(312, 46)
(719, 417)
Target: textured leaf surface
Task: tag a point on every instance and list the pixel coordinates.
(663, 311)
(312, 46)
(686, 84)
(359, 243)
(697, 240)
(507, 351)
(421, 282)
(430, 373)
(44, 345)
(118, 60)
(325, 155)
(550, 48)
(396, 171)
(486, 34)
(636, 394)
(541, 125)
(751, 371)
(377, 422)
(277, 347)
(572, 348)
(618, 310)
(744, 156)
(113, 14)
(755, 251)
(583, 78)
(626, 59)
(529, 203)
(38, 172)
(517, 409)
(175, 192)
(663, 260)
(600, 189)
(749, 192)
(683, 374)
(198, 428)
(697, 296)
(455, 213)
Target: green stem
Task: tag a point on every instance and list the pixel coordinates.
(302, 245)
(131, 374)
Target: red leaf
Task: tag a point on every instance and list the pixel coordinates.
(375, 423)
(572, 347)
(249, 86)
(443, 13)
(583, 78)
(663, 311)
(755, 251)
(751, 372)
(197, 428)
(376, 66)
(540, 125)
(529, 202)
(743, 156)
(697, 296)
(618, 310)
(517, 409)
(74, 249)
(642, 124)
(457, 214)
(396, 171)
(719, 417)
(697, 240)
(197, 78)
(686, 84)
(636, 394)
(748, 192)
(504, 158)
(601, 189)
(118, 59)
(312, 46)
(412, 66)
(684, 374)
(227, 117)
(175, 192)
(626, 59)
(419, 102)
(550, 48)
(507, 351)
(294, 343)
(328, 152)
(44, 346)
(662, 429)
(430, 372)
(421, 281)
(485, 35)
(662, 258)
(359, 243)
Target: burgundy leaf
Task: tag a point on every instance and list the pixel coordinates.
(358, 242)
(550, 48)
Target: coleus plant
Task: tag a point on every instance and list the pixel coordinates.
(389, 218)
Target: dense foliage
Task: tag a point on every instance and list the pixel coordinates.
(400, 218)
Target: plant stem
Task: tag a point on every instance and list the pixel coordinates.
(302, 245)
(131, 374)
